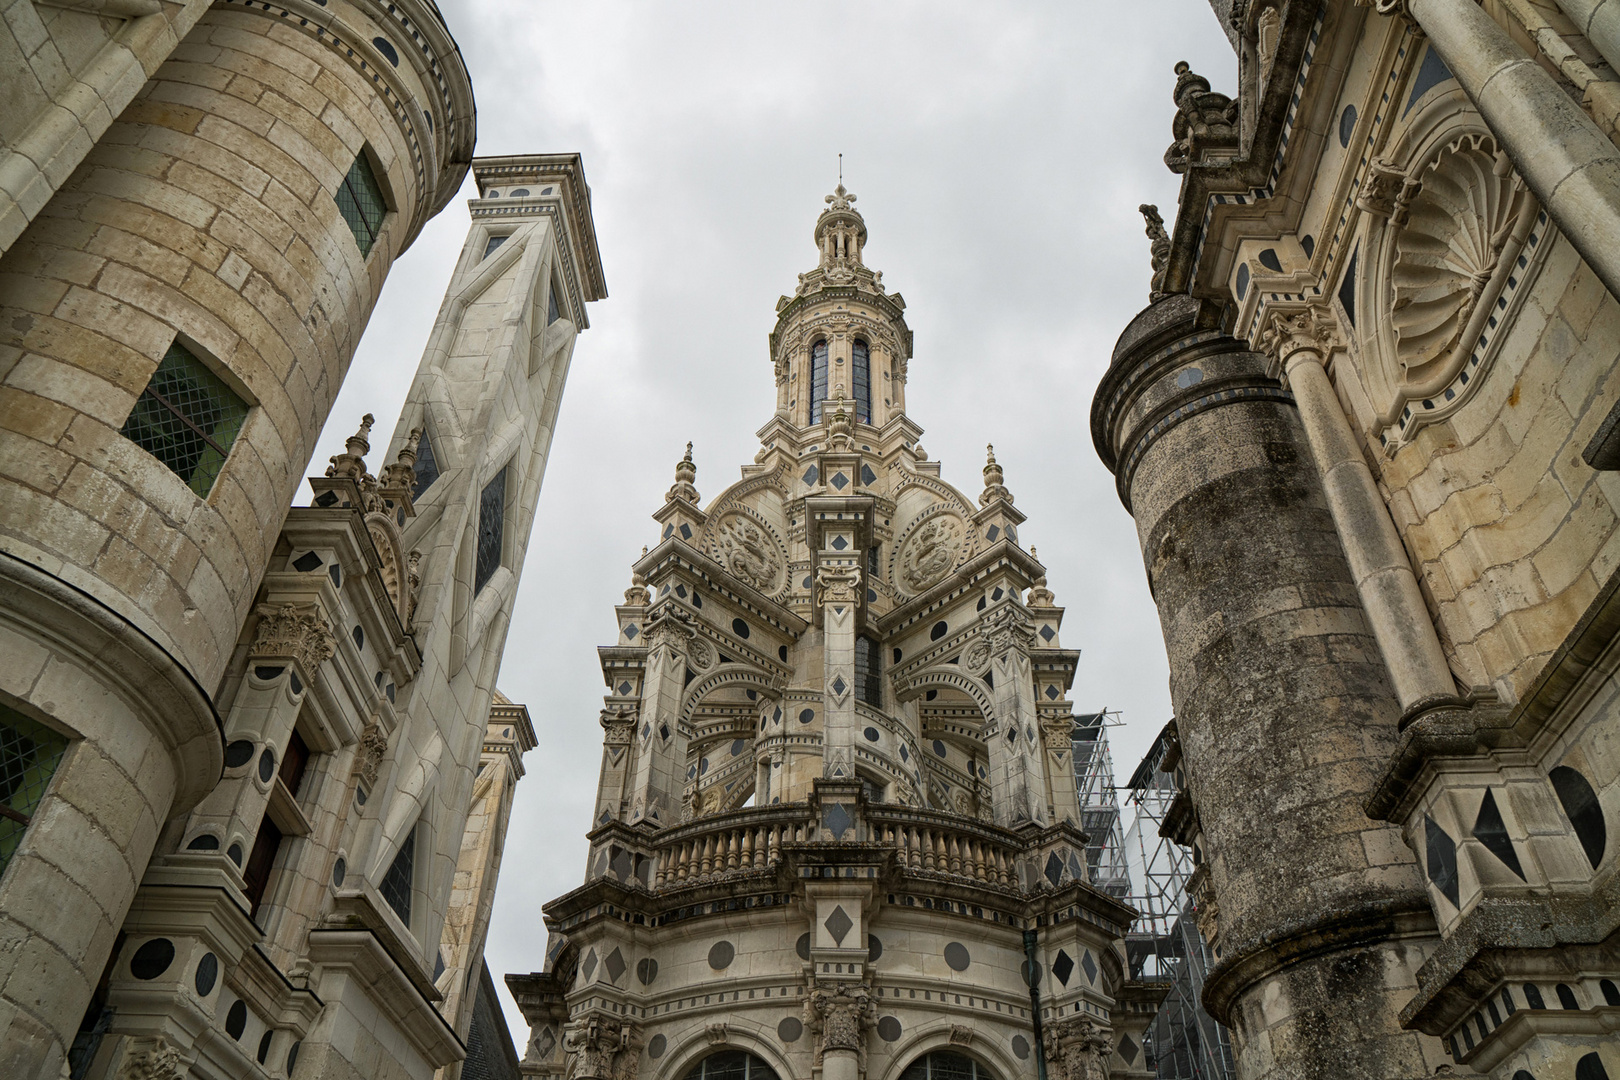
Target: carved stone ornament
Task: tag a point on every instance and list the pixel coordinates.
(976, 657)
(1077, 1048)
(750, 553)
(1008, 629)
(929, 553)
(838, 584)
(601, 1048)
(685, 473)
(1057, 732)
(1289, 332)
(1387, 192)
(839, 1016)
(1159, 250)
(153, 1059)
(373, 745)
(618, 725)
(961, 1035)
(293, 632)
(1204, 121)
(701, 654)
(994, 480)
(672, 628)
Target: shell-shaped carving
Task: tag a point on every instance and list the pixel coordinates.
(750, 552)
(1452, 241)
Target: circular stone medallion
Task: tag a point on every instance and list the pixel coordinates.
(888, 1028)
(152, 959)
(1020, 1047)
(655, 1048)
(802, 946)
(956, 955)
(722, 953)
(790, 1029)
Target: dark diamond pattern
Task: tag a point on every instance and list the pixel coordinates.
(840, 481)
(838, 924)
(838, 686)
(401, 877)
(588, 968)
(1048, 633)
(839, 543)
(186, 418)
(491, 522)
(29, 753)
(1490, 830)
(1442, 859)
(427, 465)
(1063, 967)
(1089, 966)
(615, 965)
(360, 201)
(811, 475)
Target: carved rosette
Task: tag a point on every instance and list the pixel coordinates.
(1077, 1049)
(297, 632)
(976, 657)
(928, 554)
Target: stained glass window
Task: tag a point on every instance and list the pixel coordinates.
(427, 465)
(491, 530)
(862, 362)
(187, 418)
(818, 379)
(29, 754)
(360, 201)
(400, 880)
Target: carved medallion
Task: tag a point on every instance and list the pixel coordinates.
(749, 552)
(930, 552)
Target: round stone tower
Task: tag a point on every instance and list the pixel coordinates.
(1316, 915)
(837, 831)
(174, 325)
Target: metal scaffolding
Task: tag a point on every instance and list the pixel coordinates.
(1099, 802)
(1185, 1042)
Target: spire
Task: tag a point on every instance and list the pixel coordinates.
(1039, 594)
(840, 233)
(402, 473)
(685, 473)
(352, 462)
(637, 595)
(993, 487)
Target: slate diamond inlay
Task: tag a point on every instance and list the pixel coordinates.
(838, 685)
(1063, 967)
(1127, 1049)
(625, 688)
(868, 477)
(1054, 869)
(589, 966)
(839, 543)
(836, 820)
(840, 481)
(811, 475)
(838, 924)
(1089, 966)
(631, 631)
(1046, 632)
(1051, 691)
(615, 964)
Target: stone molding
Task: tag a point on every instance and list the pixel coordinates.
(297, 632)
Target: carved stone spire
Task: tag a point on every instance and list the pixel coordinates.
(402, 473)
(685, 473)
(352, 463)
(1039, 594)
(637, 595)
(994, 488)
(1160, 250)
(840, 235)
(1205, 120)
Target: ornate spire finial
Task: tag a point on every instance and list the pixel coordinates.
(1039, 594)
(352, 462)
(685, 473)
(637, 595)
(402, 472)
(993, 487)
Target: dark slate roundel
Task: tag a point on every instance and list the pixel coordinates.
(236, 1020)
(385, 47)
(802, 946)
(340, 870)
(203, 842)
(292, 1057)
(939, 748)
(656, 1047)
(207, 974)
(647, 971)
(888, 1028)
(807, 715)
(739, 628)
(267, 764)
(1347, 125)
(939, 631)
(790, 1029)
(264, 1045)
(871, 734)
(239, 753)
(874, 948)
(956, 955)
(1020, 1047)
(721, 954)
(152, 959)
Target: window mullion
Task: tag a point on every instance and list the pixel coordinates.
(186, 420)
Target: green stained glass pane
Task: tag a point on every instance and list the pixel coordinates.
(29, 754)
(187, 418)
(360, 200)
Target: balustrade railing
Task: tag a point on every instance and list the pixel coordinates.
(946, 844)
(750, 840)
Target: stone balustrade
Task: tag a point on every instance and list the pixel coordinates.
(744, 840)
(948, 845)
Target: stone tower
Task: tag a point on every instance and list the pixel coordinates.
(1369, 427)
(201, 202)
(836, 827)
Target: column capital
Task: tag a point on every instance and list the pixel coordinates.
(1400, 9)
(1304, 332)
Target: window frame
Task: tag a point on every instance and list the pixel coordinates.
(188, 350)
(860, 378)
(825, 361)
(481, 578)
(12, 815)
(385, 196)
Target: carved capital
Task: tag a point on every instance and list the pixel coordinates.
(293, 632)
(1077, 1049)
(838, 584)
(1008, 629)
(839, 1016)
(618, 724)
(599, 1047)
(373, 745)
(1387, 191)
(671, 628)
(153, 1059)
(1312, 329)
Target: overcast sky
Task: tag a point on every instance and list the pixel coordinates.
(999, 152)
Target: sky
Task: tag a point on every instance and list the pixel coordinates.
(999, 152)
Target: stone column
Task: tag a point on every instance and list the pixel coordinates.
(838, 590)
(1570, 164)
(1017, 775)
(618, 735)
(1599, 20)
(1396, 612)
(659, 777)
(1283, 707)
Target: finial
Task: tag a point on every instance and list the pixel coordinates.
(993, 487)
(637, 595)
(1159, 249)
(1039, 594)
(840, 170)
(402, 472)
(685, 473)
(351, 462)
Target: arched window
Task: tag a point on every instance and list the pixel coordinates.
(818, 379)
(732, 1065)
(862, 377)
(944, 1065)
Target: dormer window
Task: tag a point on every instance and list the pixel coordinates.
(818, 379)
(862, 377)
